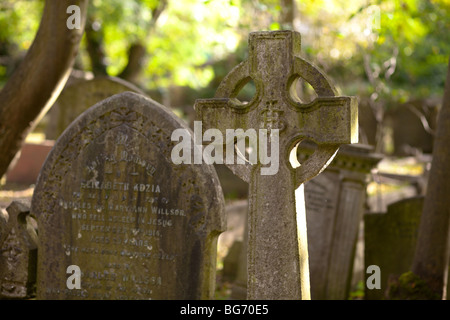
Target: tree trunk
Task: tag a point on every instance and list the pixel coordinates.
(432, 252)
(287, 14)
(39, 79)
(95, 47)
(137, 51)
(136, 55)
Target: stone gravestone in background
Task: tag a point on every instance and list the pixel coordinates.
(334, 209)
(110, 200)
(390, 241)
(80, 95)
(18, 252)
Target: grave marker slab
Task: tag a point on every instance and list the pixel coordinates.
(390, 241)
(18, 253)
(277, 256)
(78, 97)
(110, 200)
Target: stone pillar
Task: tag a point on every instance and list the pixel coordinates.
(335, 203)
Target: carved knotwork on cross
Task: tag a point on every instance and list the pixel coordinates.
(277, 250)
(272, 116)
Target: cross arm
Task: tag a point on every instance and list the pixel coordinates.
(337, 118)
(223, 114)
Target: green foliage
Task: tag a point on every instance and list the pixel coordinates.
(417, 30)
(19, 21)
(122, 23)
(358, 292)
(410, 286)
(396, 48)
(405, 44)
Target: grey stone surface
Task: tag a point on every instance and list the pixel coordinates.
(335, 202)
(18, 253)
(334, 208)
(390, 240)
(110, 200)
(278, 253)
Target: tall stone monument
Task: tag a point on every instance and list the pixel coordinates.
(335, 202)
(277, 250)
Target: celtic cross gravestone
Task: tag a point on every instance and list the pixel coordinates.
(277, 253)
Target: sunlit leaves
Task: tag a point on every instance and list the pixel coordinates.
(19, 21)
(414, 33)
(191, 35)
(187, 36)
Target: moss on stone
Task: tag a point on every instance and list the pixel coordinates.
(409, 286)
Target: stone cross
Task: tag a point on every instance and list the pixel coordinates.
(277, 254)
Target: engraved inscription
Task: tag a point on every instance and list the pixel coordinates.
(317, 198)
(110, 200)
(272, 116)
(118, 212)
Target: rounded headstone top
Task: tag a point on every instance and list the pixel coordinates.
(110, 200)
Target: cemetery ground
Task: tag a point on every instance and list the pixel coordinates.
(380, 193)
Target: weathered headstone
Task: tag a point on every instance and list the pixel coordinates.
(334, 209)
(18, 253)
(390, 240)
(78, 97)
(110, 201)
(278, 254)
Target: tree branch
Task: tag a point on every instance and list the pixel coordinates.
(137, 51)
(39, 79)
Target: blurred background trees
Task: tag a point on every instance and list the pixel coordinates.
(388, 53)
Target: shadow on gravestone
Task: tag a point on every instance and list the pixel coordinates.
(390, 240)
(110, 200)
(18, 252)
(78, 97)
